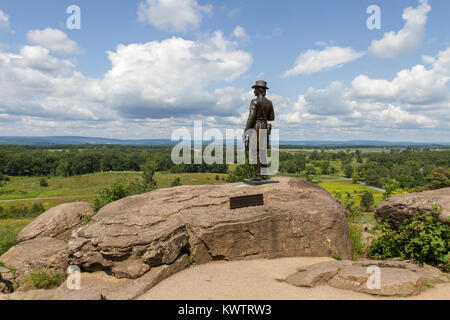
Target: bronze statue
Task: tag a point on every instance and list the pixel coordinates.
(261, 111)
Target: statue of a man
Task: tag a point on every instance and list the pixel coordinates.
(261, 111)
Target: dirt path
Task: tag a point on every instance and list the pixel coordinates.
(257, 279)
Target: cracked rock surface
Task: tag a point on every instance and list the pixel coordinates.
(397, 278)
(129, 237)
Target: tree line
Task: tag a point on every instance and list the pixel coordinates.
(35, 161)
(426, 169)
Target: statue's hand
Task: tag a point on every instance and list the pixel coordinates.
(244, 137)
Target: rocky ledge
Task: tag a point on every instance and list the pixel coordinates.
(396, 278)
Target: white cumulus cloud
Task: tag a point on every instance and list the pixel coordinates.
(54, 40)
(416, 86)
(406, 40)
(318, 60)
(168, 78)
(173, 15)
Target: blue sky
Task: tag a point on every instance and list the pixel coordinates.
(141, 68)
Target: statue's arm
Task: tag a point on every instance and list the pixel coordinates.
(271, 116)
(251, 116)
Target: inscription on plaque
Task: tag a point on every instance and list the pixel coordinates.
(246, 201)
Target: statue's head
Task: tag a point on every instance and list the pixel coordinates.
(260, 88)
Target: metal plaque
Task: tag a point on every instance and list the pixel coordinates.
(246, 201)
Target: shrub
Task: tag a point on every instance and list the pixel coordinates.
(337, 256)
(348, 170)
(390, 187)
(367, 200)
(8, 235)
(43, 182)
(217, 178)
(243, 171)
(355, 237)
(37, 208)
(121, 190)
(110, 194)
(422, 238)
(355, 177)
(176, 182)
(347, 200)
(84, 218)
(40, 278)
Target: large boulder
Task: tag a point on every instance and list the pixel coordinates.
(403, 206)
(45, 253)
(57, 222)
(129, 237)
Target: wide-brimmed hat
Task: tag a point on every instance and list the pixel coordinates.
(260, 84)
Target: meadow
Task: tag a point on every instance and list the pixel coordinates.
(355, 189)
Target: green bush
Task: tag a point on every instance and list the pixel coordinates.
(176, 182)
(8, 235)
(121, 190)
(367, 201)
(110, 194)
(37, 209)
(355, 236)
(40, 278)
(43, 182)
(422, 238)
(390, 187)
(241, 172)
(347, 200)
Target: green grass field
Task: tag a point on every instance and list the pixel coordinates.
(353, 188)
(87, 184)
(164, 180)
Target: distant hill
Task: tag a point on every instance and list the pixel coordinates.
(59, 140)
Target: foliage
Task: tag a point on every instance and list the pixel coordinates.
(149, 169)
(337, 256)
(347, 200)
(43, 182)
(176, 182)
(348, 170)
(355, 177)
(121, 189)
(367, 201)
(37, 208)
(41, 278)
(110, 194)
(390, 187)
(241, 172)
(439, 178)
(8, 233)
(84, 218)
(190, 260)
(422, 238)
(355, 236)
